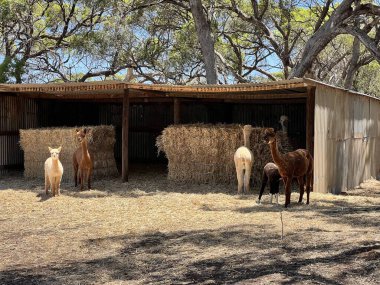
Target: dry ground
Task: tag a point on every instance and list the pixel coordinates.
(151, 231)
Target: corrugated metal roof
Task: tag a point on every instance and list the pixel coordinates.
(293, 88)
(115, 89)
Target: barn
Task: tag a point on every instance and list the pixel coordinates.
(340, 127)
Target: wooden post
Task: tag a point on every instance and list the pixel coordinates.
(177, 111)
(310, 108)
(125, 133)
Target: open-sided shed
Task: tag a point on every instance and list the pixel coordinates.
(339, 126)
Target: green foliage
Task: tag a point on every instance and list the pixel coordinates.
(5, 70)
(368, 79)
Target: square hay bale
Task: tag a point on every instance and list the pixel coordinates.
(203, 153)
(35, 143)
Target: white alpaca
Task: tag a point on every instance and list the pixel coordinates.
(243, 159)
(53, 171)
(284, 120)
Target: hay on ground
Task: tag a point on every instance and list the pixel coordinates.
(35, 143)
(204, 153)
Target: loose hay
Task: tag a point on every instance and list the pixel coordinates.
(204, 153)
(145, 232)
(35, 143)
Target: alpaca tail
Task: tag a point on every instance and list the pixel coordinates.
(264, 180)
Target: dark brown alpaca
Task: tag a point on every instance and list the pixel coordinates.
(296, 164)
(82, 161)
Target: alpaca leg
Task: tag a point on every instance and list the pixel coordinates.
(277, 197)
(47, 184)
(302, 188)
(288, 191)
(309, 180)
(75, 165)
(284, 179)
(271, 198)
(264, 181)
(247, 178)
(53, 186)
(240, 178)
(89, 178)
(82, 176)
(59, 186)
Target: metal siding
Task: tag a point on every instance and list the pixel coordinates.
(346, 140)
(15, 113)
(146, 123)
(268, 115)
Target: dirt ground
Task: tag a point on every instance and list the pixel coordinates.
(152, 231)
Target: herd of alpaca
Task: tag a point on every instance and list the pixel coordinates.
(82, 164)
(292, 164)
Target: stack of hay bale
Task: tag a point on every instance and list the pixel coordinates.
(204, 153)
(35, 143)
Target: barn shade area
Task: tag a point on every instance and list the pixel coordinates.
(139, 113)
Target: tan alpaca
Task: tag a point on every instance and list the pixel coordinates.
(82, 161)
(243, 159)
(53, 172)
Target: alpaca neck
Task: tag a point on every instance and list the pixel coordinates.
(54, 163)
(276, 154)
(246, 139)
(85, 149)
(284, 129)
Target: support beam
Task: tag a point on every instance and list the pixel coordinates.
(125, 133)
(177, 111)
(310, 108)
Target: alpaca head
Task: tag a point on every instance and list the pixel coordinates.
(82, 134)
(247, 130)
(54, 152)
(269, 136)
(284, 120)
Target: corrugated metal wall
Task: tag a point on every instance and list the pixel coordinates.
(146, 123)
(15, 113)
(258, 115)
(346, 139)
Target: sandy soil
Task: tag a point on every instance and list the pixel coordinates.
(153, 231)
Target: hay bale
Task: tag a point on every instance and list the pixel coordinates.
(204, 153)
(35, 143)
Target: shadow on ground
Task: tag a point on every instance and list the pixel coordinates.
(225, 256)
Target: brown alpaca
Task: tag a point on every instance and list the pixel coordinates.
(295, 164)
(82, 161)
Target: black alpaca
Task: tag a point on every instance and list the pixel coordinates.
(271, 174)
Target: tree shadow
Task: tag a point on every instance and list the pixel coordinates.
(179, 258)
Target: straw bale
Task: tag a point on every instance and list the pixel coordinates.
(35, 143)
(204, 153)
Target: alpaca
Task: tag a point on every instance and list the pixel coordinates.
(53, 172)
(82, 161)
(243, 159)
(298, 164)
(271, 174)
(284, 120)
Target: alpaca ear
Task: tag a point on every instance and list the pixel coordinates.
(59, 149)
(50, 149)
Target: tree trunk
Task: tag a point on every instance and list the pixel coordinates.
(353, 65)
(205, 39)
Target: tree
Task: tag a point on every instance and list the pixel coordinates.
(203, 27)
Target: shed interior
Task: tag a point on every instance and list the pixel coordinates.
(151, 109)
